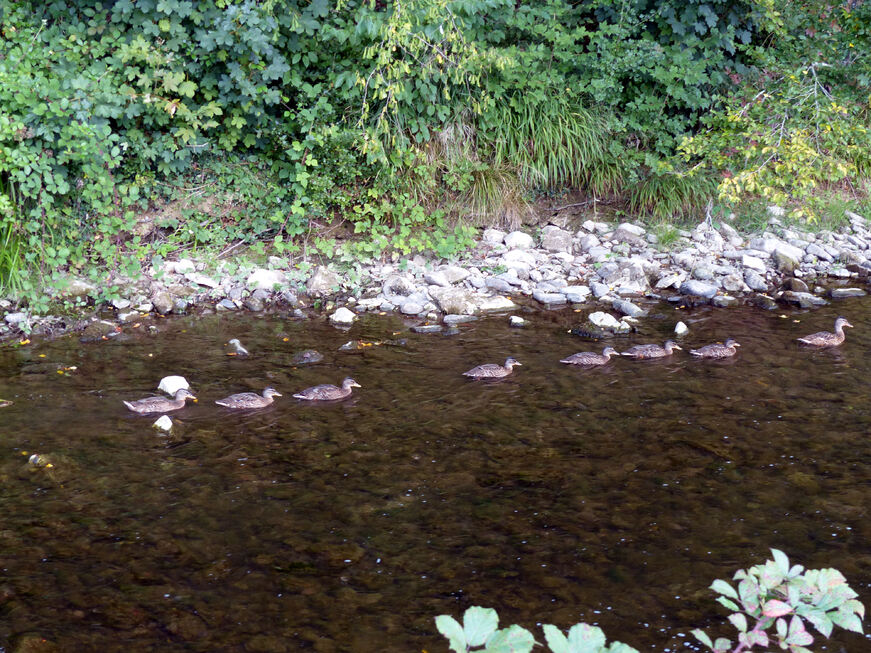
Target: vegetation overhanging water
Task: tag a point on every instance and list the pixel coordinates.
(611, 495)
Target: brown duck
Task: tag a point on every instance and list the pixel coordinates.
(160, 404)
(591, 358)
(644, 352)
(327, 392)
(492, 370)
(249, 400)
(717, 350)
(826, 338)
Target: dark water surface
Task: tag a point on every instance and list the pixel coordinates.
(611, 495)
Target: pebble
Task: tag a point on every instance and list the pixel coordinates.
(517, 322)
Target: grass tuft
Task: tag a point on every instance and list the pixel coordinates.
(670, 195)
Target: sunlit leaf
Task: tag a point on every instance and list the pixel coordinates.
(450, 628)
(478, 624)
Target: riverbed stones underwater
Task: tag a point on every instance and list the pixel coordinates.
(600, 267)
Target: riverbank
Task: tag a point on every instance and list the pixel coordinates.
(608, 270)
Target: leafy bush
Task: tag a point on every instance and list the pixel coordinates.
(767, 594)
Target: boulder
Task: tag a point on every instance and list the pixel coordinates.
(519, 240)
(753, 263)
(437, 278)
(201, 280)
(548, 298)
(554, 239)
(680, 329)
(493, 237)
(496, 303)
(323, 282)
(454, 273)
(698, 288)
(588, 241)
(755, 281)
(343, 317)
(628, 308)
(841, 293)
(457, 301)
(163, 302)
(802, 299)
(607, 322)
(264, 279)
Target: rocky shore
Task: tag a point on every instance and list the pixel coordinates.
(612, 270)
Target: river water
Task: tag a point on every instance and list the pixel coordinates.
(613, 496)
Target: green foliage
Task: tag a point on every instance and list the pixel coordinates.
(766, 594)
(789, 598)
(667, 195)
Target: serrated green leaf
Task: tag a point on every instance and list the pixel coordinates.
(722, 587)
(847, 621)
(450, 628)
(513, 639)
(478, 624)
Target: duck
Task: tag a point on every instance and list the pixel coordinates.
(327, 392)
(590, 358)
(826, 338)
(161, 404)
(246, 400)
(717, 350)
(492, 370)
(643, 352)
(236, 348)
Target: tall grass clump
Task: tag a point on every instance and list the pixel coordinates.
(553, 142)
(670, 195)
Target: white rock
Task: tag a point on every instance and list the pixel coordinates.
(753, 263)
(588, 241)
(172, 384)
(632, 228)
(604, 320)
(517, 321)
(343, 317)
(163, 423)
(496, 303)
(182, 266)
(493, 237)
(437, 278)
(519, 240)
(201, 280)
(519, 256)
(262, 279)
(680, 328)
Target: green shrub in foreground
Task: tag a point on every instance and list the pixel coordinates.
(772, 594)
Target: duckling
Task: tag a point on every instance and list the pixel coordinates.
(492, 370)
(717, 350)
(160, 404)
(825, 338)
(247, 400)
(327, 392)
(236, 348)
(644, 352)
(590, 358)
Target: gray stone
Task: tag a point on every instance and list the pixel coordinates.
(587, 242)
(180, 305)
(519, 256)
(839, 273)
(703, 273)
(698, 289)
(411, 308)
(624, 236)
(437, 278)
(554, 239)
(628, 308)
(802, 299)
(669, 281)
(128, 316)
(254, 303)
(266, 279)
(397, 287)
(323, 282)
(519, 240)
(517, 321)
(576, 294)
(596, 227)
(147, 307)
(755, 281)
(225, 305)
(163, 423)
(795, 284)
(458, 301)
(510, 277)
(548, 297)
(427, 328)
(634, 229)
(722, 301)
(453, 320)
(343, 317)
(163, 302)
(493, 237)
(289, 297)
(14, 319)
(121, 303)
(680, 329)
(815, 250)
(599, 289)
(497, 303)
(101, 330)
(201, 280)
(599, 253)
(607, 322)
(732, 283)
(497, 284)
(77, 288)
(841, 293)
(753, 263)
(785, 263)
(454, 273)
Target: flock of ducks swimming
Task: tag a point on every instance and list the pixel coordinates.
(648, 352)
(327, 392)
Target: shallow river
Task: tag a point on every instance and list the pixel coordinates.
(611, 495)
